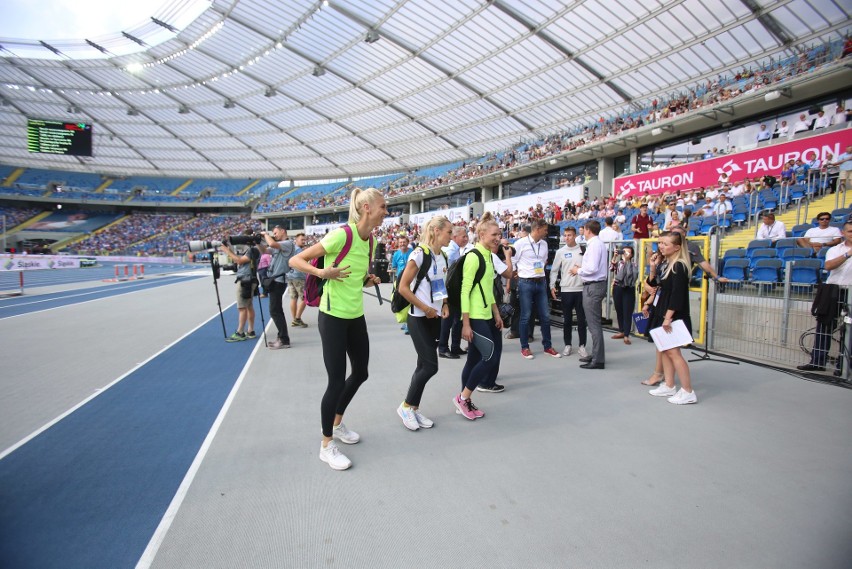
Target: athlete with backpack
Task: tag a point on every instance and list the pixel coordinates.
(346, 254)
(426, 269)
(468, 286)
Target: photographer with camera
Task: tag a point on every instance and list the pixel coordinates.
(246, 286)
(282, 251)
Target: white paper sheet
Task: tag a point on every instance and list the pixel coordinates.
(678, 337)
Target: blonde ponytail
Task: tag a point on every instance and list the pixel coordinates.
(432, 227)
(357, 200)
(486, 221)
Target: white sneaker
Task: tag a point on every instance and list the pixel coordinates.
(581, 351)
(683, 398)
(567, 351)
(408, 418)
(332, 456)
(663, 390)
(344, 435)
(423, 421)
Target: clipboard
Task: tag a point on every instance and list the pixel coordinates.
(484, 345)
(678, 338)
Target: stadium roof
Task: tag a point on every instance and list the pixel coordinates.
(317, 90)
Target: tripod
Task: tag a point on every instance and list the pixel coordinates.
(214, 266)
(260, 309)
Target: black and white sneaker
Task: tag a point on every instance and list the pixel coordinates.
(496, 388)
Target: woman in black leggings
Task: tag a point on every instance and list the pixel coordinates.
(341, 323)
(428, 305)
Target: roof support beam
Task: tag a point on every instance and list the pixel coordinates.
(769, 23)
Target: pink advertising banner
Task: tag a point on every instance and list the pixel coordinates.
(752, 164)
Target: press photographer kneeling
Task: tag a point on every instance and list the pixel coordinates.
(246, 283)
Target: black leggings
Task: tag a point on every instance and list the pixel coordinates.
(424, 333)
(341, 337)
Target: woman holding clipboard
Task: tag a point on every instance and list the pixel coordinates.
(671, 304)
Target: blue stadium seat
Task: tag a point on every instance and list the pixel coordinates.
(736, 270)
(795, 254)
(766, 271)
(799, 230)
(840, 214)
(806, 271)
(755, 244)
(782, 244)
(760, 254)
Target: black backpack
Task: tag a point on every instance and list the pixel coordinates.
(398, 302)
(454, 280)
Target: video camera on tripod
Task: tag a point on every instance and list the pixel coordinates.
(201, 246)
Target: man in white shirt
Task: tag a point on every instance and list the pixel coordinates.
(530, 260)
(824, 235)
(723, 207)
(771, 229)
(711, 194)
(593, 271)
(822, 121)
(802, 124)
(839, 115)
(608, 234)
(782, 130)
(763, 134)
(837, 263)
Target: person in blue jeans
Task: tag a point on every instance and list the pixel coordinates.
(530, 260)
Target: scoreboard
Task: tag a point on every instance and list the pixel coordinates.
(57, 137)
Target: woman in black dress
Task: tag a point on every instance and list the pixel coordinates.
(672, 303)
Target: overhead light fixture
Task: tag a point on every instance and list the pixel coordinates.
(132, 112)
(773, 95)
(72, 109)
(372, 36)
(134, 67)
(656, 131)
(318, 71)
(229, 104)
(505, 174)
(270, 92)
(183, 110)
(553, 161)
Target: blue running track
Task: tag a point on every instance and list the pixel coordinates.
(16, 306)
(90, 491)
(106, 270)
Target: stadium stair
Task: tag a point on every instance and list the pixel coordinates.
(180, 188)
(107, 183)
(23, 225)
(13, 176)
(739, 238)
(247, 188)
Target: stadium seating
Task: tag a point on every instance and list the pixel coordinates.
(736, 269)
(806, 271)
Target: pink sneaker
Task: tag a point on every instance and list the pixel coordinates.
(479, 414)
(464, 407)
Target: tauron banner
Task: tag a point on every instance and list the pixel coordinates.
(753, 164)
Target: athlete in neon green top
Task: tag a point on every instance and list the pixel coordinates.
(481, 325)
(341, 323)
(339, 297)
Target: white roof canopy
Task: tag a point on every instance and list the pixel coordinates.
(304, 90)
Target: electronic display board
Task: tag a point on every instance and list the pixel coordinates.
(58, 137)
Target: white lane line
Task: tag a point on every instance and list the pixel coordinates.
(171, 512)
(45, 427)
(100, 290)
(86, 301)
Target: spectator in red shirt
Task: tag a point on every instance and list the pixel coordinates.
(641, 224)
